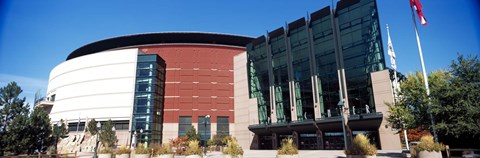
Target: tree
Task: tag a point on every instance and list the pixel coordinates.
(40, 131)
(192, 134)
(59, 132)
(400, 116)
(456, 105)
(13, 119)
(107, 135)
(92, 127)
(17, 137)
(453, 101)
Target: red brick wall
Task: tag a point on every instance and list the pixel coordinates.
(199, 80)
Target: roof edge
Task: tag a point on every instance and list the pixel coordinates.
(160, 38)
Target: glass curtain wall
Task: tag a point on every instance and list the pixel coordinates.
(324, 52)
(280, 75)
(301, 69)
(258, 77)
(148, 102)
(362, 50)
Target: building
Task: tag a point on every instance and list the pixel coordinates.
(288, 83)
(157, 83)
(298, 74)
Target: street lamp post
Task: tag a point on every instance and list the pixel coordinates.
(205, 133)
(340, 105)
(113, 131)
(141, 134)
(133, 142)
(99, 125)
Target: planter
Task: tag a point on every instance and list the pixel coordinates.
(142, 155)
(193, 156)
(429, 154)
(287, 156)
(104, 155)
(230, 156)
(122, 156)
(164, 156)
(361, 156)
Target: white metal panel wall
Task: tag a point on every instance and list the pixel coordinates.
(99, 86)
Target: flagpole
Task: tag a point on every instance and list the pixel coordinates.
(425, 78)
(394, 66)
(391, 53)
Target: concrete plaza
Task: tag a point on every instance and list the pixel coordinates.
(273, 153)
(307, 154)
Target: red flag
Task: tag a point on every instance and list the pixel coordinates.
(415, 4)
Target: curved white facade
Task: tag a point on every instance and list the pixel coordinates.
(100, 86)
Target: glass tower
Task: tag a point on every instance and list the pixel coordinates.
(149, 98)
(294, 71)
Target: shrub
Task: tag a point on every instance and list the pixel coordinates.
(233, 148)
(122, 150)
(141, 149)
(427, 144)
(163, 149)
(106, 150)
(288, 148)
(179, 144)
(361, 146)
(217, 139)
(193, 148)
(155, 147)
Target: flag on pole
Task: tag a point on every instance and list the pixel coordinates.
(415, 4)
(391, 52)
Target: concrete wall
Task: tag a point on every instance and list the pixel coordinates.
(94, 85)
(246, 111)
(383, 93)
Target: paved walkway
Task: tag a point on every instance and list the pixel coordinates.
(307, 154)
(302, 154)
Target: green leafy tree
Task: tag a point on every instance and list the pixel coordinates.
(457, 103)
(192, 134)
(107, 135)
(414, 96)
(454, 101)
(59, 132)
(40, 131)
(18, 137)
(13, 119)
(92, 127)
(400, 116)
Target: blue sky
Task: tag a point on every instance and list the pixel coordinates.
(35, 36)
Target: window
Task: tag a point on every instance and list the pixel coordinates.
(52, 98)
(184, 124)
(72, 127)
(223, 125)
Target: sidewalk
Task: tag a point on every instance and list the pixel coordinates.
(302, 154)
(307, 154)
